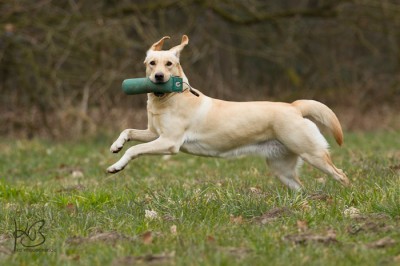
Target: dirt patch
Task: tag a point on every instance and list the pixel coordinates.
(272, 215)
(4, 250)
(372, 222)
(238, 252)
(369, 226)
(113, 237)
(370, 216)
(305, 238)
(107, 237)
(378, 216)
(396, 259)
(169, 218)
(321, 197)
(395, 168)
(382, 243)
(162, 259)
(4, 238)
(71, 188)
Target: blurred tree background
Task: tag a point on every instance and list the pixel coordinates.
(62, 61)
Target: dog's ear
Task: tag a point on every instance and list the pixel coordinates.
(158, 45)
(177, 49)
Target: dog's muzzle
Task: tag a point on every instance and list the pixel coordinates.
(159, 77)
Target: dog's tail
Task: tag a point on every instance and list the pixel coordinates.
(321, 114)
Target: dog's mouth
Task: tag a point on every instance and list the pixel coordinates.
(159, 94)
(158, 81)
(158, 78)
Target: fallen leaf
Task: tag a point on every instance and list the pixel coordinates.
(236, 219)
(302, 226)
(210, 239)
(147, 238)
(11, 206)
(305, 206)
(70, 207)
(173, 229)
(352, 212)
(150, 214)
(77, 174)
(255, 190)
(147, 198)
(382, 243)
(9, 28)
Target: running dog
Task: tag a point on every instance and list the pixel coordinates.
(284, 134)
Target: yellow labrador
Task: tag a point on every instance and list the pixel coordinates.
(282, 133)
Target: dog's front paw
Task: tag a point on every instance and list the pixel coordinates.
(114, 169)
(118, 166)
(116, 147)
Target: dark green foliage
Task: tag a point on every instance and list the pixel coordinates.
(62, 62)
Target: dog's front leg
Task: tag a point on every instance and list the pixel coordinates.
(161, 145)
(132, 134)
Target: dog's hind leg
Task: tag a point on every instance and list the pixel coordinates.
(322, 161)
(286, 169)
(312, 147)
(132, 134)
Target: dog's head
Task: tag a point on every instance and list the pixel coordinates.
(162, 64)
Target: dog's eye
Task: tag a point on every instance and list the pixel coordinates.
(169, 63)
(152, 63)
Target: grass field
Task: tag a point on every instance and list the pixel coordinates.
(196, 211)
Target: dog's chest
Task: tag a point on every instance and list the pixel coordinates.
(158, 122)
(159, 119)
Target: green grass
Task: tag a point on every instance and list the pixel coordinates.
(216, 206)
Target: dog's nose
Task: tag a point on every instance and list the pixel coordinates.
(159, 76)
